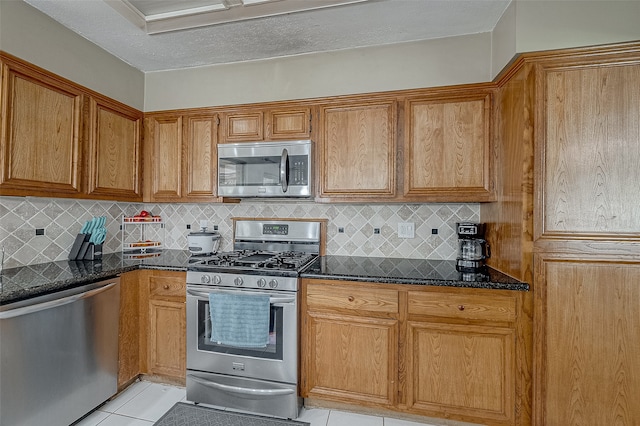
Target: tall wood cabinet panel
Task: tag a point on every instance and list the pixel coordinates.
(589, 332)
(115, 157)
(41, 139)
(447, 148)
(357, 150)
(587, 260)
(590, 152)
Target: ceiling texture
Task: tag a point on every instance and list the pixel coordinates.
(157, 35)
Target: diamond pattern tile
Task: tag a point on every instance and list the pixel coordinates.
(62, 219)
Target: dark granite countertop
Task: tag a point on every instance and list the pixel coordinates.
(408, 271)
(35, 280)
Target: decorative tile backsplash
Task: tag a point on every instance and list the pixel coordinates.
(62, 219)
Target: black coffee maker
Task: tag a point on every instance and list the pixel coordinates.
(473, 249)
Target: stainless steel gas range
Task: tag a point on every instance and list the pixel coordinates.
(242, 318)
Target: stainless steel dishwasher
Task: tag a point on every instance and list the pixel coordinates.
(59, 355)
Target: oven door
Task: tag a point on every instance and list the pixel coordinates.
(277, 361)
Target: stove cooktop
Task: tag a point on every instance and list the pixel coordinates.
(252, 260)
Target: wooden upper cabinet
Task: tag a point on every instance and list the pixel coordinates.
(447, 148)
(41, 141)
(266, 124)
(590, 151)
(181, 158)
(357, 150)
(200, 157)
(115, 133)
(163, 163)
(243, 127)
(288, 124)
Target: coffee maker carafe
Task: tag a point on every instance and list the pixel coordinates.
(473, 249)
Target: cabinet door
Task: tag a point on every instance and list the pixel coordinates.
(163, 158)
(128, 330)
(352, 359)
(587, 341)
(448, 146)
(242, 127)
(357, 150)
(114, 152)
(461, 369)
(167, 338)
(288, 124)
(200, 158)
(40, 139)
(589, 153)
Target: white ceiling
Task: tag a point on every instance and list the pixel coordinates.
(368, 23)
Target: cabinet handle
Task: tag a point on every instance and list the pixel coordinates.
(461, 307)
(351, 298)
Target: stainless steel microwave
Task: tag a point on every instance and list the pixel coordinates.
(265, 169)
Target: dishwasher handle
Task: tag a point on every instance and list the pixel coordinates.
(54, 303)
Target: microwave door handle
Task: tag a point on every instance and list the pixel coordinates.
(284, 170)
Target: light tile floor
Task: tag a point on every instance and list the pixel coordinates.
(143, 403)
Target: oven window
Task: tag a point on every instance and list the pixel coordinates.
(273, 350)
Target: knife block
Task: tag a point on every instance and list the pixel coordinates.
(82, 249)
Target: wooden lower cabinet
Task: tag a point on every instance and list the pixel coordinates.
(163, 324)
(342, 364)
(587, 341)
(350, 342)
(152, 329)
(448, 353)
(461, 370)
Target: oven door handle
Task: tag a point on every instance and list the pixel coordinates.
(272, 300)
(254, 393)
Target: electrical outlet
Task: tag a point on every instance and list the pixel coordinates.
(406, 230)
(376, 230)
(340, 230)
(434, 231)
(188, 226)
(39, 231)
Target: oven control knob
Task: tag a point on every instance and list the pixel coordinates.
(273, 283)
(217, 279)
(262, 283)
(238, 281)
(205, 279)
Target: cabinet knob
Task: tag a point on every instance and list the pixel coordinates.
(461, 307)
(166, 286)
(351, 298)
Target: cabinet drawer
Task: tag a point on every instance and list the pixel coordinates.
(167, 287)
(463, 306)
(365, 299)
